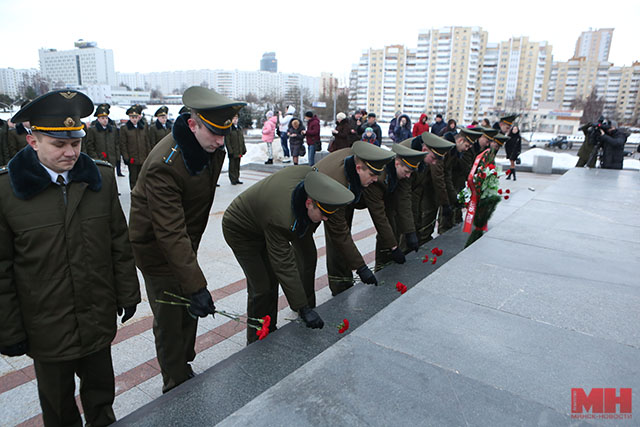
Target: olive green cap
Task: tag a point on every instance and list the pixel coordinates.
(373, 156)
(184, 110)
(102, 110)
(162, 111)
(510, 119)
(471, 135)
(135, 110)
(215, 110)
(438, 145)
(328, 193)
(488, 132)
(410, 158)
(500, 139)
(58, 114)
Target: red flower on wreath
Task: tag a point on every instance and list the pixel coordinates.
(104, 155)
(492, 166)
(343, 326)
(266, 321)
(507, 191)
(506, 197)
(500, 191)
(262, 333)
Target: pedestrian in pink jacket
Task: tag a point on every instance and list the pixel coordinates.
(268, 133)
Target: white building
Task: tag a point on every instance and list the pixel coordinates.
(85, 65)
(14, 81)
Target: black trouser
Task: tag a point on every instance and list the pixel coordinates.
(234, 169)
(174, 330)
(56, 388)
(134, 171)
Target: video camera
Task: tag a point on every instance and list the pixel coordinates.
(602, 123)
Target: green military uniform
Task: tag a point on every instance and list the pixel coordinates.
(170, 208)
(66, 267)
(234, 143)
(102, 142)
(157, 130)
(343, 255)
(587, 147)
(135, 144)
(4, 145)
(427, 185)
(457, 165)
(389, 203)
(271, 236)
(16, 139)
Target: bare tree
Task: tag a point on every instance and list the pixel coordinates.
(592, 107)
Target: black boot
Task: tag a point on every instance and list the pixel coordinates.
(269, 162)
(509, 173)
(514, 173)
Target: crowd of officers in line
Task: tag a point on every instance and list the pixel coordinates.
(68, 259)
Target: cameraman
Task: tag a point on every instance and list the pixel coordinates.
(612, 141)
(591, 132)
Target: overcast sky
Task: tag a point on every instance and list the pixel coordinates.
(308, 36)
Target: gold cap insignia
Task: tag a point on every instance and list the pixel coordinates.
(68, 95)
(69, 122)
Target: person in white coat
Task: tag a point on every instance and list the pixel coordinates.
(283, 128)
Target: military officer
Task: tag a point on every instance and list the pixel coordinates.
(457, 167)
(270, 228)
(134, 142)
(234, 143)
(59, 215)
(389, 203)
(170, 208)
(355, 168)
(505, 123)
(161, 127)
(102, 138)
(426, 185)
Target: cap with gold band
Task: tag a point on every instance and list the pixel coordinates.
(493, 135)
(409, 157)
(488, 132)
(510, 119)
(328, 194)
(215, 110)
(102, 110)
(439, 146)
(500, 139)
(135, 110)
(373, 156)
(57, 114)
(471, 135)
(162, 111)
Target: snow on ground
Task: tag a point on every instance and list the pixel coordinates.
(562, 160)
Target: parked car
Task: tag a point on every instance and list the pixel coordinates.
(560, 142)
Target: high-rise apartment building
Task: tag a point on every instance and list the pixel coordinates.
(14, 81)
(86, 65)
(269, 62)
(594, 45)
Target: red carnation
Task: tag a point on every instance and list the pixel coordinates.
(433, 261)
(344, 326)
(266, 321)
(440, 252)
(500, 191)
(492, 166)
(401, 288)
(426, 259)
(506, 197)
(435, 250)
(131, 160)
(104, 155)
(262, 332)
(507, 191)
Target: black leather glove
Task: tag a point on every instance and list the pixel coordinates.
(446, 210)
(398, 256)
(310, 318)
(15, 349)
(412, 241)
(367, 275)
(128, 313)
(202, 303)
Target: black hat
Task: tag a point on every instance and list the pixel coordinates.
(162, 111)
(438, 145)
(510, 119)
(371, 115)
(215, 110)
(411, 158)
(308, 114)
(373, 156)
(328, 193)
(135, 110)
(472, 134)
(439, 115)
(102, 110)
(184, 109)
(58, 114)
(500, 139)
(488, 132)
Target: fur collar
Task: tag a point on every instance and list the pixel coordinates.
(392, 177)
(160, 127)
(194, 156)
(352, 177)
(140, 125)
(102, 129)
(302, 221)
(28, 178)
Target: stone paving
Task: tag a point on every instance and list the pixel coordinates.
(137, 374)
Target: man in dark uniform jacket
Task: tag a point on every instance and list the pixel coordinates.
(66, 266)
(102, 139)
(270, 229)
(389, 203)
(355, 168)
(134, 143)
(170, 208)
(234, 143)
(161, 127)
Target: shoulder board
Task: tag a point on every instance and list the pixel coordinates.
(171, 155)
(102, 163)
(4, 169)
